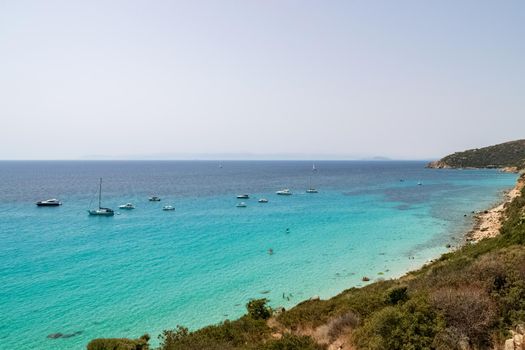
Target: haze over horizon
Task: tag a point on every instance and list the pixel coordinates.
(286, 79)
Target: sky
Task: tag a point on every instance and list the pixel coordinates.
(127, 79)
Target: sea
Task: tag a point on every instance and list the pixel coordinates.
(67, 277)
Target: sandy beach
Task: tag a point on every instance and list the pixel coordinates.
(488, 223)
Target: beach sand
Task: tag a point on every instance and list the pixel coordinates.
(488, 223)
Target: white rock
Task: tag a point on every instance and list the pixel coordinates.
(518, 341)
(509, 344)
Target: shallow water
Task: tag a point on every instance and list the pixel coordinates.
(146, 270)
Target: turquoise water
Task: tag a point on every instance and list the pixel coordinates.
(147, 270)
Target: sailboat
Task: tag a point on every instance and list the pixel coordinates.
(101, 211)
(310, 188)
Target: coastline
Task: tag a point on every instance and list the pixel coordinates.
(487, 223)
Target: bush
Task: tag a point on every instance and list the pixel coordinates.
(119, 343)
(292, 342)
(397, 295)
(226, 335)
(450, 339)
(468, 310)
(258, 310)
(361, 301)
(410, 326)
(169, 338)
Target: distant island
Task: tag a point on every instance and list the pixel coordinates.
(470, 298)
(509, 156)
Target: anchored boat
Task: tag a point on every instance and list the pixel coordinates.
(49, 203)
(101, 211)
(284, 192)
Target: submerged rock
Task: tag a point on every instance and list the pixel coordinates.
(55, 335)
(72, 334)
(62, 335)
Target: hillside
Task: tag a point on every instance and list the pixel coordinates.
(472, 298)
(505, 155)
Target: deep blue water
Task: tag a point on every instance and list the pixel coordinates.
(146, 270)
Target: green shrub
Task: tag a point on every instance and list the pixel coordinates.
(258, 310)
(410, 326)
(361, 301)
(238, 334)
(119, 343)
(397, 295)
(292, 342)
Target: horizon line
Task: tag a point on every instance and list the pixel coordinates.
(216, 159)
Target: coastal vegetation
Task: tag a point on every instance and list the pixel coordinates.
(120, 343)
(505, 155)
(470, 298)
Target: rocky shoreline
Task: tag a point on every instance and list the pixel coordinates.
(488, 223)
(440, 164)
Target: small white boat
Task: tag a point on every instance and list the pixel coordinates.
(263, 200)
(126, 206)
(168, 208)
(284, 192)
(241, 205)
(243, 196)
(154, 199)
(49, 203)
(419, 183)
(312, 190)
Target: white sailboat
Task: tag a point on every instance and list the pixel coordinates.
(311, 189)
(101, 211)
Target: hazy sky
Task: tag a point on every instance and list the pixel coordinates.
(319, 79)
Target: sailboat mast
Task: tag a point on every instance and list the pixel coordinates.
(310, 177)
(100, 193)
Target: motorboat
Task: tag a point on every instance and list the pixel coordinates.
(243, 196)
(126, 206)
(154, 199)
(241, 205)
(263, 200)
(168, 208)
(101, 211)
(312, 190)
(49, 203)
(284, 192)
